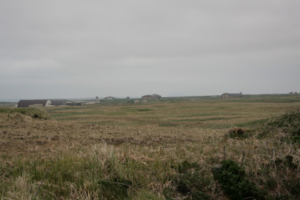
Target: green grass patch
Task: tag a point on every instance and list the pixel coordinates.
(144, 110)
(253, 123)
(204, 119)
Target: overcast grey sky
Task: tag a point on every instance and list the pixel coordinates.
(72, 48)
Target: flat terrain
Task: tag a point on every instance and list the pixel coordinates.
(79, 147)
(179, 112)
(8, 104)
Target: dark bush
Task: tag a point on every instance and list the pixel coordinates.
(189, 182)
(115, 188)
(169, 193)
(233, 181)
(185, 166)
(238, 133)
(287, 162)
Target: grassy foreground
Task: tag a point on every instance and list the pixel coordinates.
(168, 149)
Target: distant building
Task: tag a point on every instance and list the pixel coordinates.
(153, 96)
(58, 102)
(148, 96)
(136, 101)
(8, 105)
(156, 96)
(36, 106)
(34, 103)
(75, 103)
(232, 95)
(109, 98)
(92, 101)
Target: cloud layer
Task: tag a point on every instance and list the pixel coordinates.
(63, 49)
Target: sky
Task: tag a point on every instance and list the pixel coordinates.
(77, 49)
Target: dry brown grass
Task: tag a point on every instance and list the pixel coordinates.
(140, 146)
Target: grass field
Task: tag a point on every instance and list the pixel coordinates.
(165, 149)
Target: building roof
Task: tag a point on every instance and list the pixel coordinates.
(153, 96)
(26, 103)
(109, 97)
(233, 94)
(147, 95)
(156, 95)
(75, 102)
(92, 101)
(58, 102)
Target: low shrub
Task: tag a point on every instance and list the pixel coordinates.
(285, 177)
(233, 181)
(240, 133)
(115, 188)
(288, 123)
(189, 183)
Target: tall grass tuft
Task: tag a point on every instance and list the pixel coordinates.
(32, 112)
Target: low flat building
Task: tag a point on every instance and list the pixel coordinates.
(94, 101)
(75, 103)
(156, 96)
(8, 105)
(36, 106)
(148, 96)
(151, 96)
(109, 98)
(31, 103)
(58, 102)
(232, 95)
